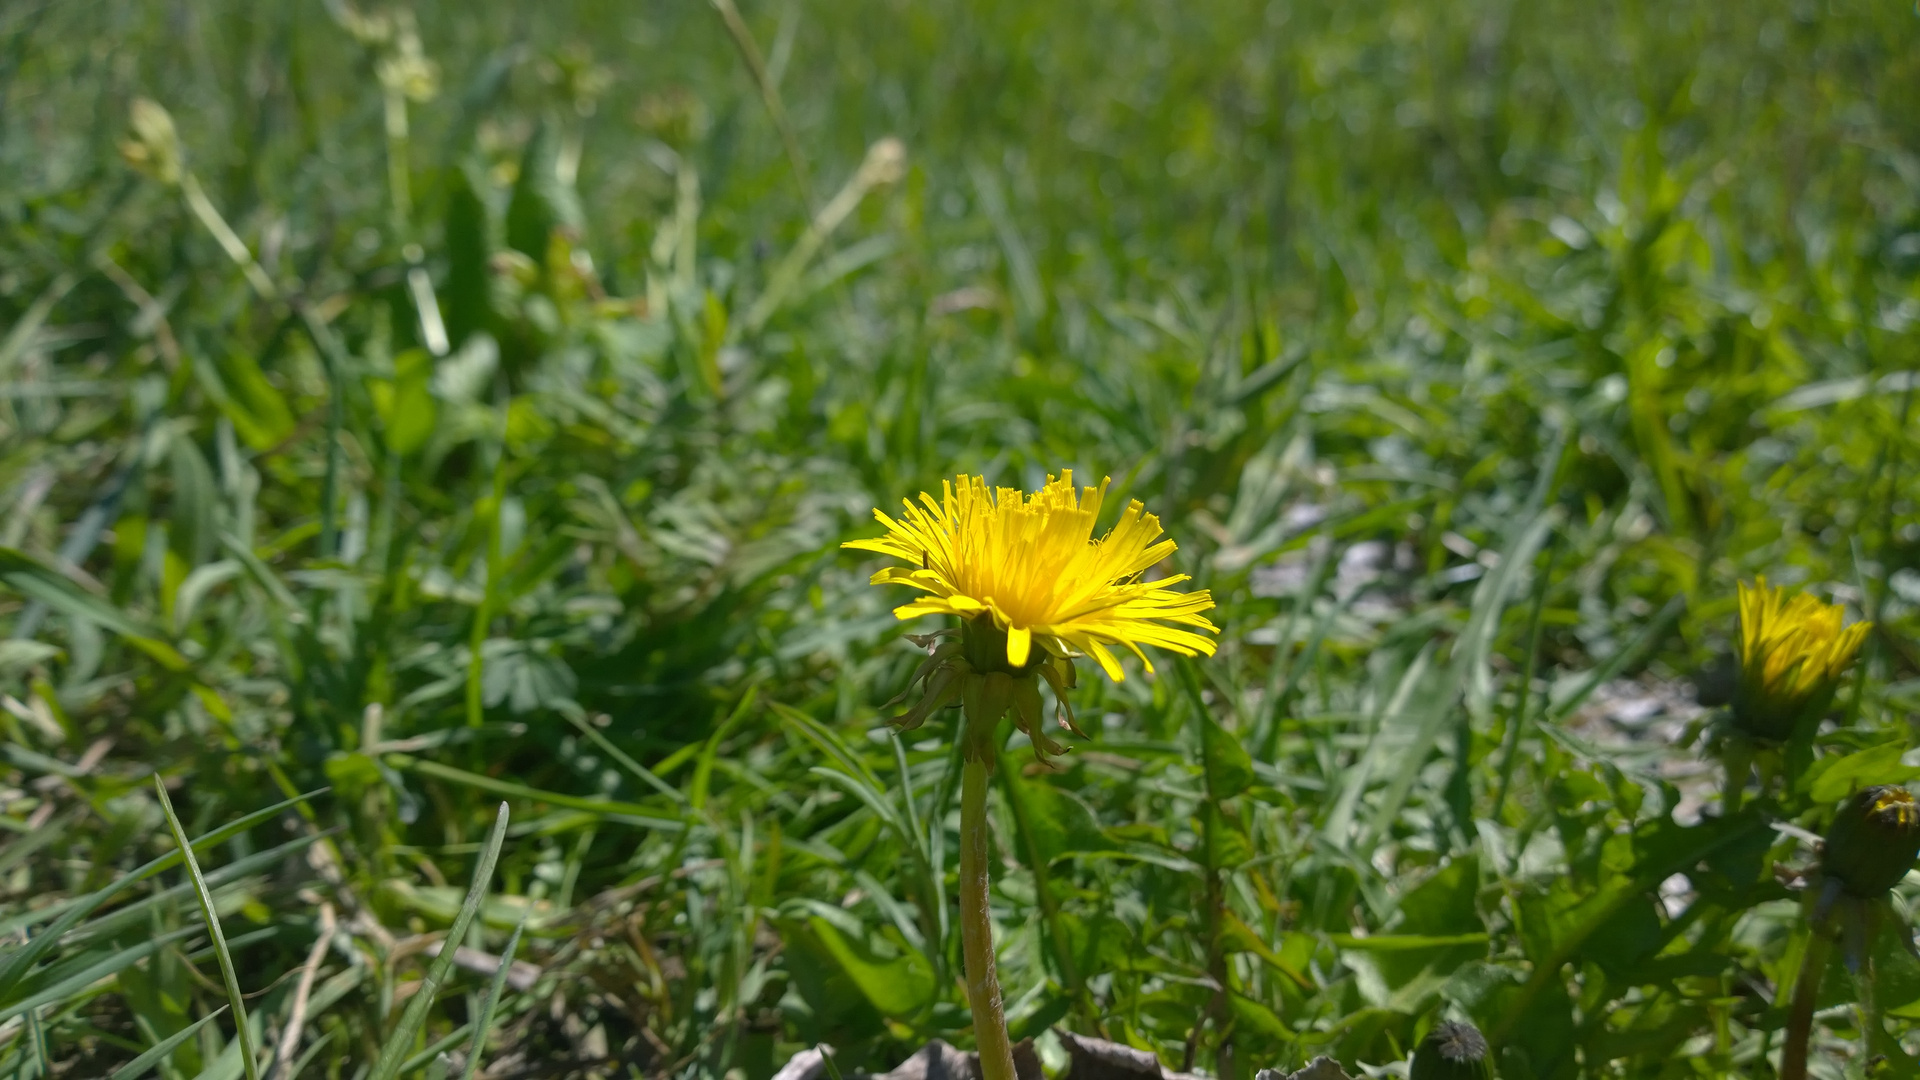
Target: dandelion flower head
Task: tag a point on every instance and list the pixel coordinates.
(1793, 650)
(1030, 564)
(1794, 644)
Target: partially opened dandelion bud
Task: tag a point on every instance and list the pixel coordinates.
(1452, 1051)
(152, 146)
(1032, 591)
(1792, 654)
(1873, 842)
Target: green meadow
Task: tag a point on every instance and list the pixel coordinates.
(427, 437)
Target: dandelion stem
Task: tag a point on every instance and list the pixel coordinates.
(976, 925)
(1806, 989)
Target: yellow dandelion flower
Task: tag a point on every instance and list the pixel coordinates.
(1793, 651)
(1029, 566)
(1033, 589)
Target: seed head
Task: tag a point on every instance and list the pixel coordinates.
(1452, 1051)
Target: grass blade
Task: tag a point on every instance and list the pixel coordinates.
(313, 1051)
(440, 1046)
(119, 918)
(35, 580)
(1470, 653)
(156, 1053)
(1648, 636)
(625, 760)
(16, 965)
(630, 813)
(393, 1054)
(84, 974)
(37, 1043)
(494, 990)
(205, 895)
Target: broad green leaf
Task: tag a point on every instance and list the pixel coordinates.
(1257, 1018)
(193, 531)
(899, 987)
(1226, 844)
(541, 199)
(835, 1000)
(1237, 936)
(412, 412)
(1445, 903)
(1224, 761)
(1834, 779)
(1057, 821)
(468, 291)
(1229, 769)
(1098, 942)
(258, 410)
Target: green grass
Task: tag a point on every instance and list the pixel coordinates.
(1471, 352)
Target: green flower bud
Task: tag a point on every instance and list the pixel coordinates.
(1873, 841)
(1453, 1051)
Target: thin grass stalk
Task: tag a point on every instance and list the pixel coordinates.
(884, 163)
(426, 1058)
(393, 1052)
(70, 914)
(769, 94)
(483, 612)
(314, 1050)
(235, 248)
(621, 757)
(491, 1002)
(333, 356)
(37, 1054)
(928, 886)
(161, 1050)
(1049, 903)
(1282, 677)
(1516, 725)
(248, 1059)
(1216, 903)
(400, 190)
(303, 989)
(1886, 460)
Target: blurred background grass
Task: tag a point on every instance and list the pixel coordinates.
(506, 451)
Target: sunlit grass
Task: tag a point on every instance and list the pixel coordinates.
(470, 406)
